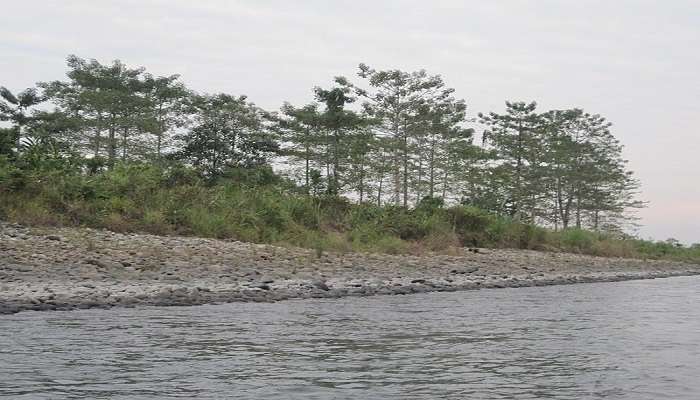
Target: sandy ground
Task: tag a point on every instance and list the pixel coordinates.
(68, 268)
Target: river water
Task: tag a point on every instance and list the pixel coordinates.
(625, 340)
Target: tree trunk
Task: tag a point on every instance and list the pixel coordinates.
(18, 138)
(307, 161)
(431, 168)
(112, 145)
(98, 136)
(397, 154)
(405, 170)
(161, 131)
(444, 185)
(518, 171)
(578, 212)
(362, 179)
(336, 161)
(125, 134)
(159, 144)
(420, 179)
(596, 217)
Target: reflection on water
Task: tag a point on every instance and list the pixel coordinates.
(631, 340)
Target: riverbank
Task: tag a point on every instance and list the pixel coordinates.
(68, 268)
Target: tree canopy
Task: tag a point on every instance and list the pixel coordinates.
(383, 136)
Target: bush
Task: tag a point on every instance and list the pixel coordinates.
(252, 205)
(532, 237)
(204, 223)
(363, 214)
(390, 245)
(430, 204)
(12, 179)
(134, 180)
(364, 236)
(470, 225)
(154, 221)
(400, 222)
(578, 240)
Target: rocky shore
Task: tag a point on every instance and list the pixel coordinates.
(67, 268)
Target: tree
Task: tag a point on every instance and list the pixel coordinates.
(583, 168)
(51, 133)
(7, 141)
(444, 143)
(15, 108)
(514, 137)
(227, 132)
(397, 99)
(114, 98)
(362, 144)
(166, 98)
(339, 125)
(300, 128)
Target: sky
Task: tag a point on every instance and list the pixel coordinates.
(634, 62)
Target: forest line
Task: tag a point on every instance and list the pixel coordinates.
(385, 137)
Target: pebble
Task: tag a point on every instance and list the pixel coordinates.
(133, 270)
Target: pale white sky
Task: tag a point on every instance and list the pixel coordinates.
(635, 62)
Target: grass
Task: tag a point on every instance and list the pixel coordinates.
(263, 208)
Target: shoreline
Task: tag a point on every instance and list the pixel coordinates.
(74, 268)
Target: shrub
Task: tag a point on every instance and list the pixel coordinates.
(12, 179)
(253, 205)
(430, 204)
(202, 222)
(441, 240)
(400, 222)
(154, 221)
(578, 240)
(304, 211)
(363, 214)
(532, 237)
(116, 222)
(390, 245)
(470, 225)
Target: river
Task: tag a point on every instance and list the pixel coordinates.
(624, 340)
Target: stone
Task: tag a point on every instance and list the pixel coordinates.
(320, 284)
(135, 269)
(462, 271)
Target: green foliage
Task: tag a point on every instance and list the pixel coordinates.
(11, 178)
(578, 240)
(176, 200)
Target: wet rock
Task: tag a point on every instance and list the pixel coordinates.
(102, 263)
(128, 270)
(320, 284)
(462, 271)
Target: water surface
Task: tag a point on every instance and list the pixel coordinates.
(624, 340)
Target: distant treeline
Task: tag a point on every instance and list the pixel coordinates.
(384, 137)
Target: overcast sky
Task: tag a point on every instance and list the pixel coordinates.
(634, 62)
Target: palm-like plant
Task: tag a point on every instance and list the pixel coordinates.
(14, 108)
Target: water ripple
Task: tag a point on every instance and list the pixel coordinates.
(625, 340)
